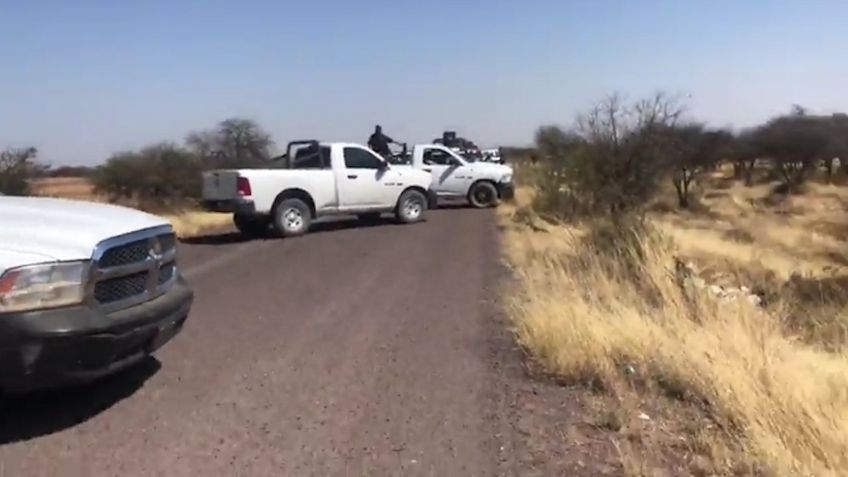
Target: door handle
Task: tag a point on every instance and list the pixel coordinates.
(352, 176)
(426, 169)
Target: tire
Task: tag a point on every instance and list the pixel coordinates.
(251, 227)
(483, 195)
(411, 207)
(292, 217)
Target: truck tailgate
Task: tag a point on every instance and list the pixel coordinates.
(220, 185)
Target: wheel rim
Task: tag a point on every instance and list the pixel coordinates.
(292, 219)
(412, 208)
(483, 195)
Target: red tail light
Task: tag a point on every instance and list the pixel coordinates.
(243, 187)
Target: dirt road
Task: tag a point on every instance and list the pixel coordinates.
(350, 351)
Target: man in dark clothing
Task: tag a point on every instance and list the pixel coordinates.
(379, 142)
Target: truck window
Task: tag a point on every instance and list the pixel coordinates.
(356, 158)
(437, 157)
(309, 158)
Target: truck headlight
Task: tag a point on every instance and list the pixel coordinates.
(507, 178)
(41, 286)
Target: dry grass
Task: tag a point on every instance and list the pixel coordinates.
(186, 223)
(193, 222)
(78, 188)
(800, 234)
(772, 404)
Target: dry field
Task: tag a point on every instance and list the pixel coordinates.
(186, 223)
(679, 381)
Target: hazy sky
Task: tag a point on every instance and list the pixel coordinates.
(80, 79)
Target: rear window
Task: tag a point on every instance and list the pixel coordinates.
(309, 158)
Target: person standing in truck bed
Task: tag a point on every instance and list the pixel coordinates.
(379, 142)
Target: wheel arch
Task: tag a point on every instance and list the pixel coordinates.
(430, 197)
(296, 193)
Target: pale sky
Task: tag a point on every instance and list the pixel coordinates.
(83, 79)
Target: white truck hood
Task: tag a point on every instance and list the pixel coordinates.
(41, 229)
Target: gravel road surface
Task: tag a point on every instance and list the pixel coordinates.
(354, 350)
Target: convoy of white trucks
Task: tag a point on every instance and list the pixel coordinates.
(315, 179)
(87, 289)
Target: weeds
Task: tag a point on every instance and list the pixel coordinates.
(596, 300)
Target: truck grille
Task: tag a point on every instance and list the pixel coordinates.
(135, 268)
(115, 289)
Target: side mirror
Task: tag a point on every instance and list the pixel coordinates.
(383, 165)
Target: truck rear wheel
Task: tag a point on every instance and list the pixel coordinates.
(292, 217)
(250, 226)
(411, 207)
(483, 194)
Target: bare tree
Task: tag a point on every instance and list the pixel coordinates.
(616, 162)
(234, 142)
(17, 167)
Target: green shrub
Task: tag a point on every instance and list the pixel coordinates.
(157, 177)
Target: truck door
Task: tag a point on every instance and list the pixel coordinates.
(365, 181)
(448, 172)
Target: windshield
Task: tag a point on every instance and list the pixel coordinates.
(469, 157)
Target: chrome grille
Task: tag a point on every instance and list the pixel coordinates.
(121, 288)
(125, 254)
(133, 268)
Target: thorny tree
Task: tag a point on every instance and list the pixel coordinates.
(17, 166)
(690, 150)
(235, 142)
(625, 153)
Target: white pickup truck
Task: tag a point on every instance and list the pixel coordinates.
(315, 179)
(483, 184)
(86, 290)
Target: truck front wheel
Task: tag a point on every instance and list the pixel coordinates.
(251, 227)
(292, 217)
(411, 207)
(482, 195)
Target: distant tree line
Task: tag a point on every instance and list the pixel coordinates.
(611, 161)
(168, 175)
(617, 154)
(158, 176)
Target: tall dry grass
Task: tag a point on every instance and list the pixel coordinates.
(186, 223)
(615, 315)
(191, 223)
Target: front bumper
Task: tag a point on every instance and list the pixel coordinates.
(506, 190)
(50, 348)
(236, 206)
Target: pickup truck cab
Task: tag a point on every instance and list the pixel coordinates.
(483, 184)
(86, 290)
(315, 179)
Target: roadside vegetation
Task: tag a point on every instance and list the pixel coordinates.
(693, 283)
(163, 178)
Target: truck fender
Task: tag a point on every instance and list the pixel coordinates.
(296, 193)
